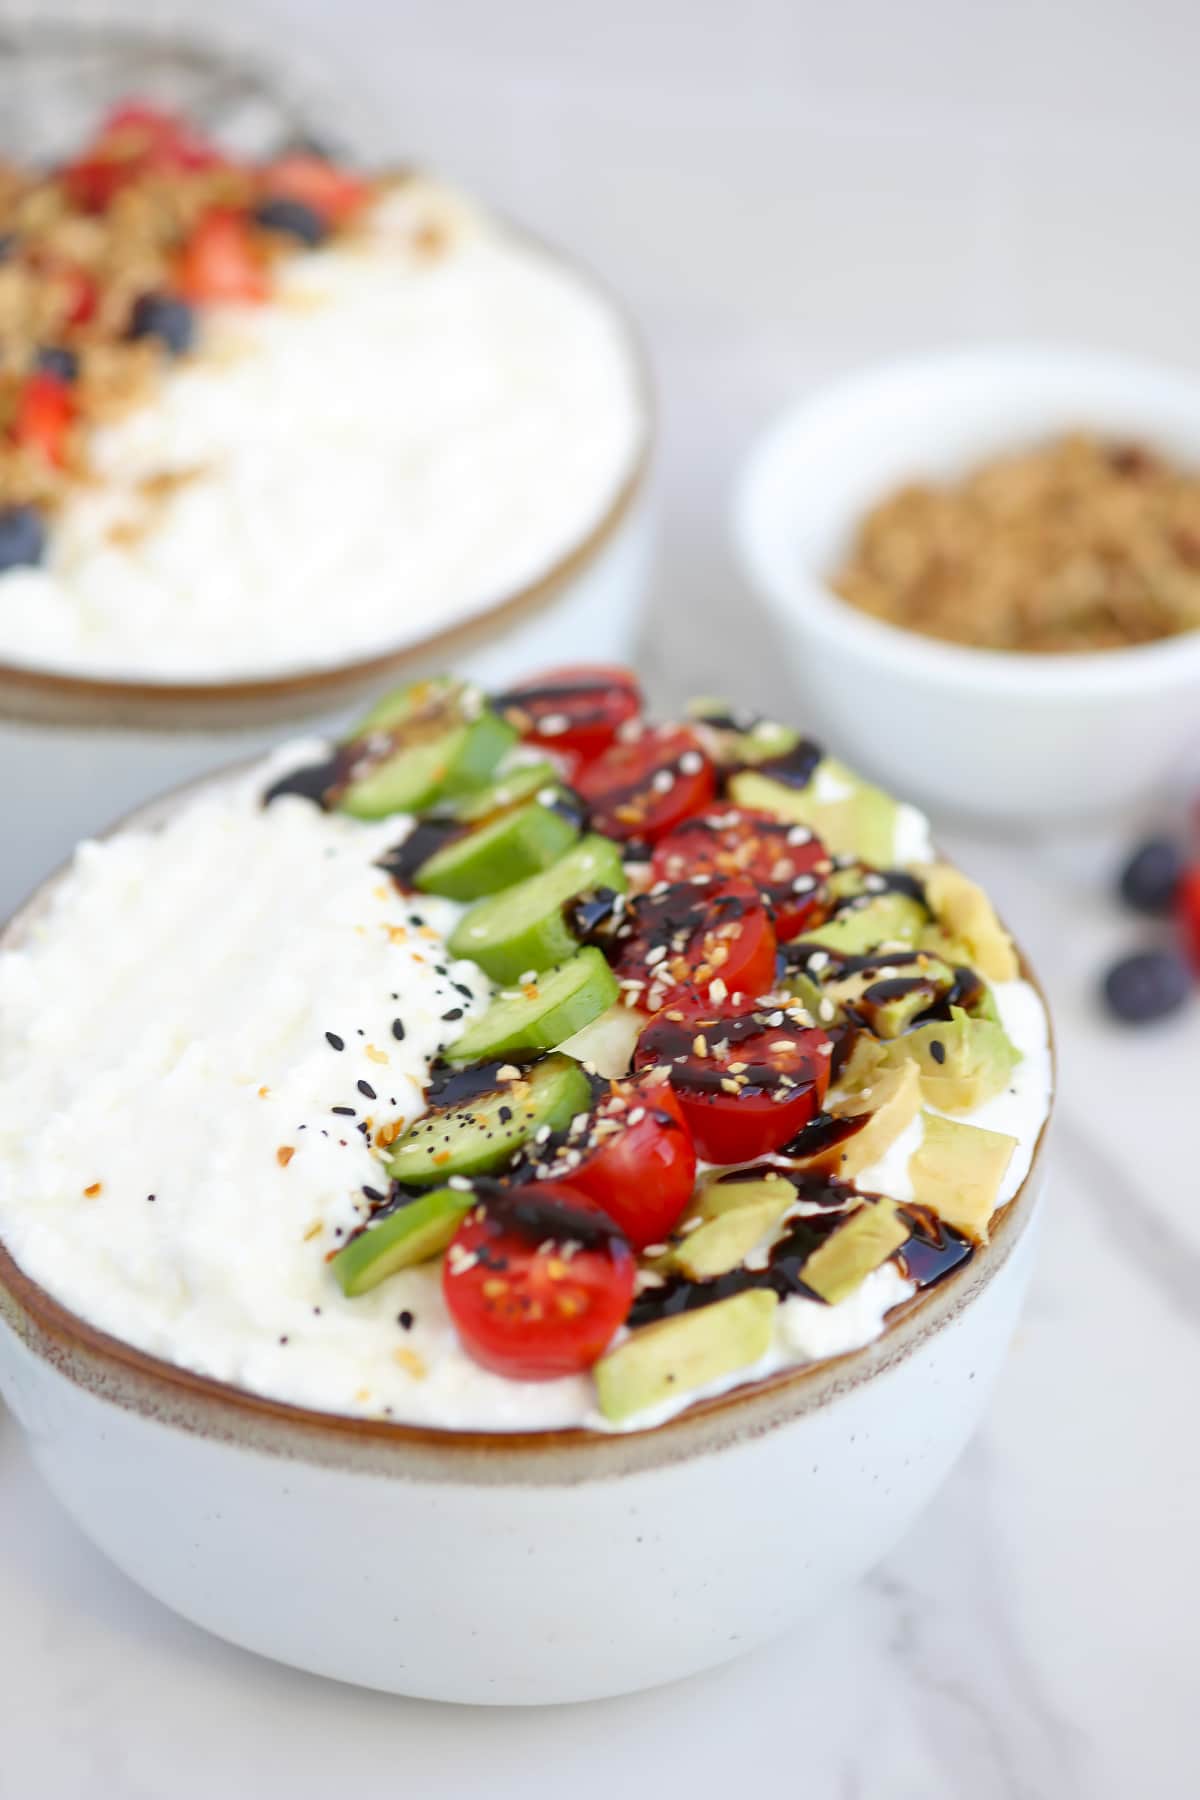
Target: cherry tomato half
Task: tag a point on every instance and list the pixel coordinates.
(684, 935)
(786, 862)
(747, 1077)
(221, 262)
(45, 409)
(537, 1281)
(642, 786)
(578, 710)
(633, 1156)
(332, 192)
(1187, 911)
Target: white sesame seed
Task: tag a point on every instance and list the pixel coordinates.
(691, 762)
(553, 725)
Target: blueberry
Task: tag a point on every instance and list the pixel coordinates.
(293, 217)
(22, 537)
(165, 317)
(56, 359)
(1150, 878)
(1147, 986)
(8, 243)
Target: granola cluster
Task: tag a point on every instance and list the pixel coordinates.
(1075, 545)
(105, 265)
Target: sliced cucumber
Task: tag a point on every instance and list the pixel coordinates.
(525, 927)
(429, 739)
(480, 1135)
(552, 1008)
(526, 782)
(505, 850)
(412, 1234)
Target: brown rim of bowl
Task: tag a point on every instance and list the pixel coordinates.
(139, 1382)
(37, 696)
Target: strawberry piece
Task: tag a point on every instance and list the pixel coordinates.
(220, 261)
(330, 191)
(45, 409)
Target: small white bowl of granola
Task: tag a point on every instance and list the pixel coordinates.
(547, 1206)
(1038, 506)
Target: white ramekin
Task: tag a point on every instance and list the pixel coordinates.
(981, 735)
(501, 1568)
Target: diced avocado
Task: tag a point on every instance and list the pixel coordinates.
(886, 1000)
(416, 1231)
(540, 1016)
(505, 849)
(725, 1221)
(484, 1133)
(871, 1234)
(742, 739)
(851, 817)
(526, 781)
(889, 1104)
(673, 1357)
(890, 918)
(967, 917)
(525, 926)
(607, 1044)
(962, 1062)
(423, 741)
(957, 1172)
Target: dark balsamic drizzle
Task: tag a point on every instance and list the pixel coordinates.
(319, 782)
(824, 1132)
(426, 838)
(793, 768)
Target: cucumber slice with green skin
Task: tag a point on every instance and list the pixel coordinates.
(505, 850)
(416, 1231)
(429, 739)
(525, 927)
(543, 1015)
(527, 782)
(481, 1134)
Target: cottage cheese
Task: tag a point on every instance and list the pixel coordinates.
(172, 1164)
(397, 440)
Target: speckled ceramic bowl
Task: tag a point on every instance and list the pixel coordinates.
(498, 1568)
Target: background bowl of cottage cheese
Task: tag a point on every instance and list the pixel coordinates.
(429, 445)
(290, 1472)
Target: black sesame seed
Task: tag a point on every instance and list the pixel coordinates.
(406, 1319)
(456, 1012)
(398, 1030)
(367, 1091)
(334, 1041)
(373, 1193)
(345, 1112)
(283, 1340)
(152, 1197)
(938, 1051)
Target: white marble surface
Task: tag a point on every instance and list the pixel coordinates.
(781, 203)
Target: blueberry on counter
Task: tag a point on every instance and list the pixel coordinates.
(22, 537)
(1147, 986)
(56, 359)
(1150, 878)
(165, 317)
(294, 218)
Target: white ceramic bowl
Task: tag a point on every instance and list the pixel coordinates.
(503, 1568)
(982, 735)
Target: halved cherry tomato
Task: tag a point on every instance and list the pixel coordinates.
(1187, 911)
(786, 862)
(577, 710)
(330, 191)
(684, 935)
(633, 1156)
(45, 409)
(537, 1281)
(220, 261)
(643, 785)
(747, 1077)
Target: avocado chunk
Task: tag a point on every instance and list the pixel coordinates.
(724, 1223)
(494, 855)
(855, 1250)
(869, 923)
(540, 1016)
(673, 1357)
(850, 817)
(481, 1135)
(742, 739)
(416, 1231)
(423, 741)
(957, 1172)
(887, 1106)
(525, 927)
(967, 917)
(886, 999)
(962, 1062)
